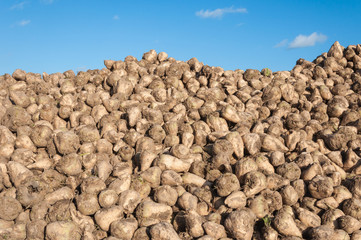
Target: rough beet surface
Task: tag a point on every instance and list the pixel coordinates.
(163, 149)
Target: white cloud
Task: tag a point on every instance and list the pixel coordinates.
(116, 17)
(19, 5)
(219, 12)
(23, 23)
(282, 43)
(307, 41)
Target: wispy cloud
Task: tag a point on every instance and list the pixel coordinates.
(23, 23)
(18, 6)
(281, 44)
(116, 17)
(302, 41)
(307, 41)
(219, 12)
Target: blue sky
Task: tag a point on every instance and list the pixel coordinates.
(58, 35)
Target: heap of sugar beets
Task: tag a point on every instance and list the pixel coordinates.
(164, 149)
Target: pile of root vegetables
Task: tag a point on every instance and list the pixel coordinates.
(163, 149)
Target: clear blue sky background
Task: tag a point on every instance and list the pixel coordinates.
(58, 35)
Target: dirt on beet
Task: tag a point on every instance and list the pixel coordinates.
(164, 149)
